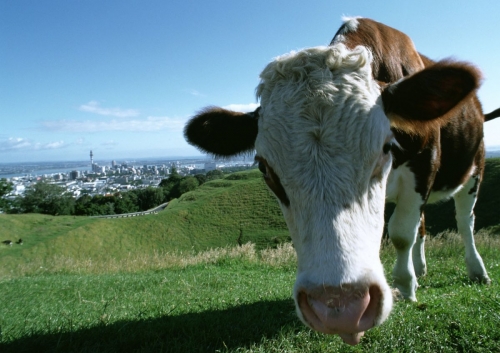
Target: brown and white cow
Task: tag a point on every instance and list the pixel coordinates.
(340, 127)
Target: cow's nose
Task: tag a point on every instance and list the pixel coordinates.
(348, 310)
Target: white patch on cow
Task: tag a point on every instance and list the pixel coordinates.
(351, 23)
(403, 227)
(418, 256)
(443, 195)
(464, 205)
(322, 129)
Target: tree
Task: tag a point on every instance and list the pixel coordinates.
(126, 202)
(170, 186)
(188, 183)
(46, 198)
(5, 188)
(149, 198)
(202, 178)
(215, 174)
(83, 206)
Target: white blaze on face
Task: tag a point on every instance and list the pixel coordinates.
(322, 130)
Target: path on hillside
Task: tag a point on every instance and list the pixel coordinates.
(135, 214)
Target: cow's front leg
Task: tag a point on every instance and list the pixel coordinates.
(418, 252)
(403, 228)
(465, 200)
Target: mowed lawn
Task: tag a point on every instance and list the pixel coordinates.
(239, 300)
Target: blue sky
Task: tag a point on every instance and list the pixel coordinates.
(122, 77)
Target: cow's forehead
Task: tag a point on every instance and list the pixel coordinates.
(318, 70)
(320, 104)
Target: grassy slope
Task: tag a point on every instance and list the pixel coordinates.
(234, 306)
(211, 216)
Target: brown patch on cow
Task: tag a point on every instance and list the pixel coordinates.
(421, 227)
(440, 156)
(272, 180)
(394, 54)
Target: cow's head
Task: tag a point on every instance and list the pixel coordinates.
(323, 140)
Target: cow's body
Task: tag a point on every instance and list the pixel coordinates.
(333, 135)
(446, 161)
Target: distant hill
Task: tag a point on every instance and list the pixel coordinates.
(223, 212)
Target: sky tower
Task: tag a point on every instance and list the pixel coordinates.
(91, 158)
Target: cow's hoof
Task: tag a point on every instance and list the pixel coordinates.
(482, 279)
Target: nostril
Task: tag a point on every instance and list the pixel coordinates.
(369, 317)
(308, 314)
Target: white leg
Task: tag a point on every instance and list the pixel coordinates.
(465, 200)
(403, 227)
(418, 253)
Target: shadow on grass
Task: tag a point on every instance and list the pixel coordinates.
(207, 331)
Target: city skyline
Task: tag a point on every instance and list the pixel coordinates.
(122, 78)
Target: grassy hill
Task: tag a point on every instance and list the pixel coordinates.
(222, 212)
(145, 284)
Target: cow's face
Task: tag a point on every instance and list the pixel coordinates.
(322, 138)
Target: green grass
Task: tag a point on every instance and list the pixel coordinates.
(212, 216)
(241, 303)
(152, 284)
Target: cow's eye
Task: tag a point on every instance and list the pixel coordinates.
(262, 168)
(387, 147)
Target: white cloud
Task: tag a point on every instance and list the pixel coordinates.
(244, 108)
(95, 108)
(149, 124)
(14, 144)
(196, 93)
(109, 143)
(21, 144)
(52, 145)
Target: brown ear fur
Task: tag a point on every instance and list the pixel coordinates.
(221, 132)
(422, 101)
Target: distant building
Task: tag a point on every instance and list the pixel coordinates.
(209, 166)
(75, 174)
(123, 180)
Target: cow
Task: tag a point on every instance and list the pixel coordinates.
(7, 242)
(339, 129)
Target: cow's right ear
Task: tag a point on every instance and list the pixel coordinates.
(222, 132)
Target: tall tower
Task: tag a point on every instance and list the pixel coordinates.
(91, 158)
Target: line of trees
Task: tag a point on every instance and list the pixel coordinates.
(47, 198)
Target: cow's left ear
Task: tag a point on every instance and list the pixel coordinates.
(429, 94)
